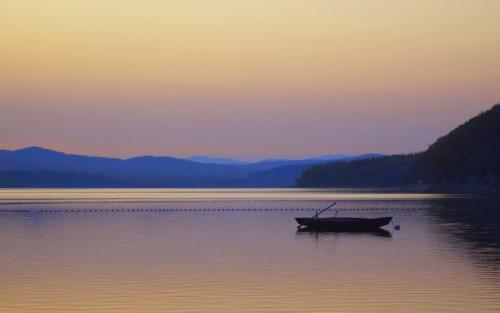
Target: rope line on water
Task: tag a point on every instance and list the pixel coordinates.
(193, 210)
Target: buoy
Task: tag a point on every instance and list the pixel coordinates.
(397, 227)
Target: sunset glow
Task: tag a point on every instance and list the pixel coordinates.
(245, 79)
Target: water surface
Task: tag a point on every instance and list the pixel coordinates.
(184, 250)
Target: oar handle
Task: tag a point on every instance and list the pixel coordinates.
(318, 213)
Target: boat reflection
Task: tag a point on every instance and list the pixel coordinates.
(380, 232)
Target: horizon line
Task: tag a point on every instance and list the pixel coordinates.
(187, 157)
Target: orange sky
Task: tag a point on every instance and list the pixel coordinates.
(243, 78)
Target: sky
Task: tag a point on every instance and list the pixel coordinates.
(245, 79)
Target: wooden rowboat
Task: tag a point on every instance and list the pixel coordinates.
(341, 223)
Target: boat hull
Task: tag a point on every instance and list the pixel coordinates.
(343, 224)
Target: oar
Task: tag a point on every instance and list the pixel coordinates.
(318, 213)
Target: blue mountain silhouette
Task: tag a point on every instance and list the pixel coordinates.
(37, 166)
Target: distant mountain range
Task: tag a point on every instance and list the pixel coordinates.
(215, 160)
(466, 159)
(40, 167)
(230, 161)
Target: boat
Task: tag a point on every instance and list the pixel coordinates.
(341, 223)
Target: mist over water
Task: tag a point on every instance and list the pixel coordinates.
(182, 250)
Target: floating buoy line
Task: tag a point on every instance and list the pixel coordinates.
(157, 210)
(263, 205)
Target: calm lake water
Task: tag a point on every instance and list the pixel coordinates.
(185, 250)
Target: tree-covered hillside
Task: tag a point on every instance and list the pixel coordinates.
(469, 155)
(389, 171)
(467, 158)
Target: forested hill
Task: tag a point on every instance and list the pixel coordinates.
(469, 155)
(389, 171)
(467, 158)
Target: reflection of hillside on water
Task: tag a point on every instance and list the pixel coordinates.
(474, 220)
